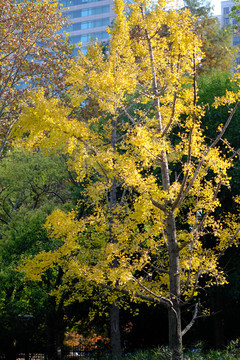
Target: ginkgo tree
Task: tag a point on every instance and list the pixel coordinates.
(151, 179)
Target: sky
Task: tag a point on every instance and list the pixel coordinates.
(215, 3)
(217, 6)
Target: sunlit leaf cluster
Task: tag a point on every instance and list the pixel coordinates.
(147, 144)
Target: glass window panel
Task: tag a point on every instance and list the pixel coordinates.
(89, 24)
(101, 35)
(89, 11)
(67, 3)
(226, 21)
(226, 10)
(84, 12)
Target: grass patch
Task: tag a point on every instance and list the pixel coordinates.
(231, 352)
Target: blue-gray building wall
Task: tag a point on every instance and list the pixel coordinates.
(88, 19)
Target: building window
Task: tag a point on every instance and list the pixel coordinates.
(91, 24)
(101, 35)
(226, 10)
(67, 3)
(88, 11)
(226, 21)
(88, 24)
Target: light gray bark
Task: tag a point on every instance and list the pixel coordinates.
(114, 309)
(174, 311)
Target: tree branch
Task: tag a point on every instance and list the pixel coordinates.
(159, 269)
(157, 204)
(183, 194)
(188, 327)
(218, 138)
(160, 298)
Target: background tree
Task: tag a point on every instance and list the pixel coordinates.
(43, 183)
(168, 175)
(223, 305)
(33, 52)
(219, 53)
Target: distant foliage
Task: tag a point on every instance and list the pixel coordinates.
(151, 180)
(33, 52)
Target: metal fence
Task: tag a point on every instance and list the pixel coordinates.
(35, 356)
(67, 353)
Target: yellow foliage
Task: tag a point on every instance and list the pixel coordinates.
(146, 123)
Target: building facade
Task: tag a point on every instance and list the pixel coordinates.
(226, 20)
(225, 13)
(88, 20)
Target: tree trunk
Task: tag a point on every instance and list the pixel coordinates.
(55, 329)
(115, 332)
(174, 312)
(114, 310)
(174, 332)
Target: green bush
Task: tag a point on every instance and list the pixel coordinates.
(231, 352)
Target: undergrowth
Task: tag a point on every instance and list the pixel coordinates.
(231, 352)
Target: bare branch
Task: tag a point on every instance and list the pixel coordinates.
(183, 194)
(126, 292)
(150, 152)
(158, 205)
(229, 119)
(159, 269)
(123, 195)
(161, 299)
(129, 116)
(103, 170)
(188, 327)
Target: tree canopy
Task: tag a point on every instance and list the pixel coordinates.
(33, 52)
(43, 184)
(219, 53)
(151, 179)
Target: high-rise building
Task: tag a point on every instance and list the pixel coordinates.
(88, 19)
(226, 19)
(225, 12)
